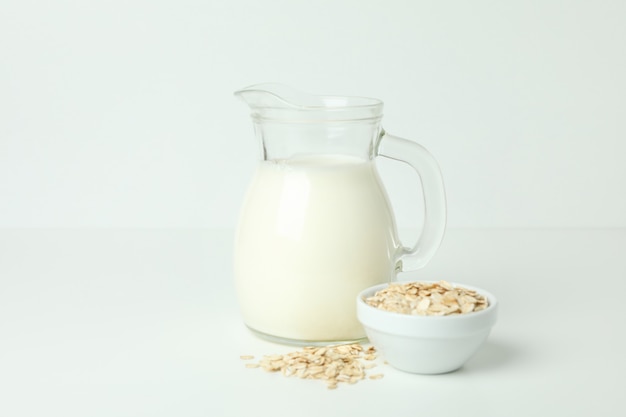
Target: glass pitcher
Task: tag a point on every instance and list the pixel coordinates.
(316, 226)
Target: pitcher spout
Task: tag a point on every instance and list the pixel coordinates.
(272, 101)
(273, 95)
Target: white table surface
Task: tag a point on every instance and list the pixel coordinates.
(145, 323)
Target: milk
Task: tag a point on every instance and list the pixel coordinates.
(314, 231)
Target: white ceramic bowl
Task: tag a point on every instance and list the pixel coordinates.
(426, 344)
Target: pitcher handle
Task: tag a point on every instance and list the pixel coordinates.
(426, 166)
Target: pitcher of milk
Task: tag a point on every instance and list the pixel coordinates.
(316, 227)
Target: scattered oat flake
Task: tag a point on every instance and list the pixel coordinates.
(377, 376)
(246, 357)
(333, 364)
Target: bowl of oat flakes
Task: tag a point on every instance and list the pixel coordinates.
(426, 327)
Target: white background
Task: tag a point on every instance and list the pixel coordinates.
(145, 323)
(121, 114)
